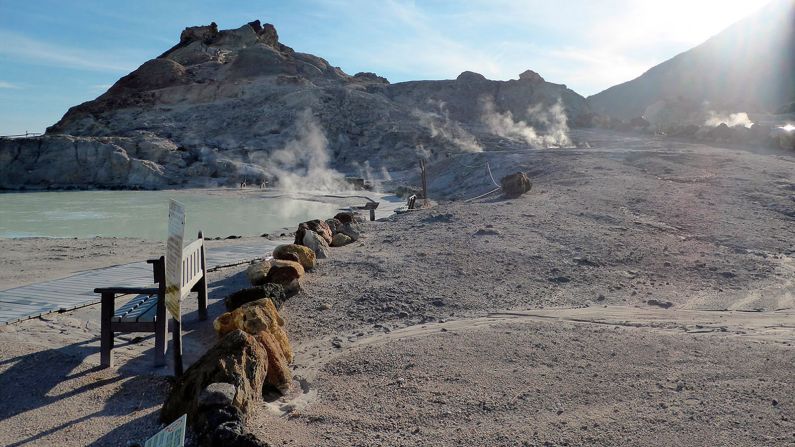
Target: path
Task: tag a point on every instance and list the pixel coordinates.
(314, 355)
(31, 301)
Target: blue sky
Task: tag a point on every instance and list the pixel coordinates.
(56, 54)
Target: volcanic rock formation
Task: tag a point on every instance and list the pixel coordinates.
(223, 106)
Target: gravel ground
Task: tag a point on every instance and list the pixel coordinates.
(641, 294)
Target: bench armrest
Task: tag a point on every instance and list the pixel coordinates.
(127, 290)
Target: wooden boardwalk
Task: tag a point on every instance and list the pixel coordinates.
(59, 295)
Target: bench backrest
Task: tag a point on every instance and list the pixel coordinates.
(193, 265)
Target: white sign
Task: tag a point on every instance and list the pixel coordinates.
(171, 436)
(176, 234)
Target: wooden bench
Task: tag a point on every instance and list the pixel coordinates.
(146, 311)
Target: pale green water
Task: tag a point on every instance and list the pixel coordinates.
(144, 214)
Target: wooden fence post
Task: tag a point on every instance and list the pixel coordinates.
(424, 175)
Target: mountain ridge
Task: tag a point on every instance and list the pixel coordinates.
(223, 106)
(748, 67)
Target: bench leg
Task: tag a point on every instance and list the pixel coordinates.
(202, 284)
(161, 333)
(106, 332)
(202, 291)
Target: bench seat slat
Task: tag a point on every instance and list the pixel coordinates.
(137, 309)
(144, 314)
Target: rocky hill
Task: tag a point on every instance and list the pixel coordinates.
(749, 67)
(223, 106)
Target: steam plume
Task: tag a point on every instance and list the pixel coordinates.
(303, 163)
(441, 126)
(367, 173)
(553, 119)
(715, 119)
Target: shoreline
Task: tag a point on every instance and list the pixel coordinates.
(245, 221)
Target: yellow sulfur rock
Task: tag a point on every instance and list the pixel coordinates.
(253, 318)
(286, 273)
(305, 254)
(278, 374)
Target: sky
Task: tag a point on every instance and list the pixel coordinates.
(55, 54)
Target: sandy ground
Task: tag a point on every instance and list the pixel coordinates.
(642, 294)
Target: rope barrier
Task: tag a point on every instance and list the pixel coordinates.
(488, 168)
(482, 196)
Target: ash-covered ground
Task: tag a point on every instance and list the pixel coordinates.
(641, 294)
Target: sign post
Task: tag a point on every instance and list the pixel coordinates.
(174, 244)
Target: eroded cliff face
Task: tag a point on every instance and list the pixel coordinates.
(59, 161)
(220, 103)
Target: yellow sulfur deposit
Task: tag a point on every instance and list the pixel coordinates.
(253, 318)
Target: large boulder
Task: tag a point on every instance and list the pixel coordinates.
(344, 217)
(341, 240)
(217, 394)
(317, 243)
(257, 273)
(334, 225)
(279, 375)
(275, 292)
(300, 232)
(224, 426)
(238, 359)
(515, 185)
(351, 229)
(232, 434)
(305, 254)
(285, 273)
(321, 228)
(318, 226)
(253, 318)
(261, 319)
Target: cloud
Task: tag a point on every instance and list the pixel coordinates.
(8, 85)
(22, 48)
(405, 39)
(587, 45)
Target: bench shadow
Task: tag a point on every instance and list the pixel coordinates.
(33, 381)
(39, 379)
(227, 286)
(23, 386)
